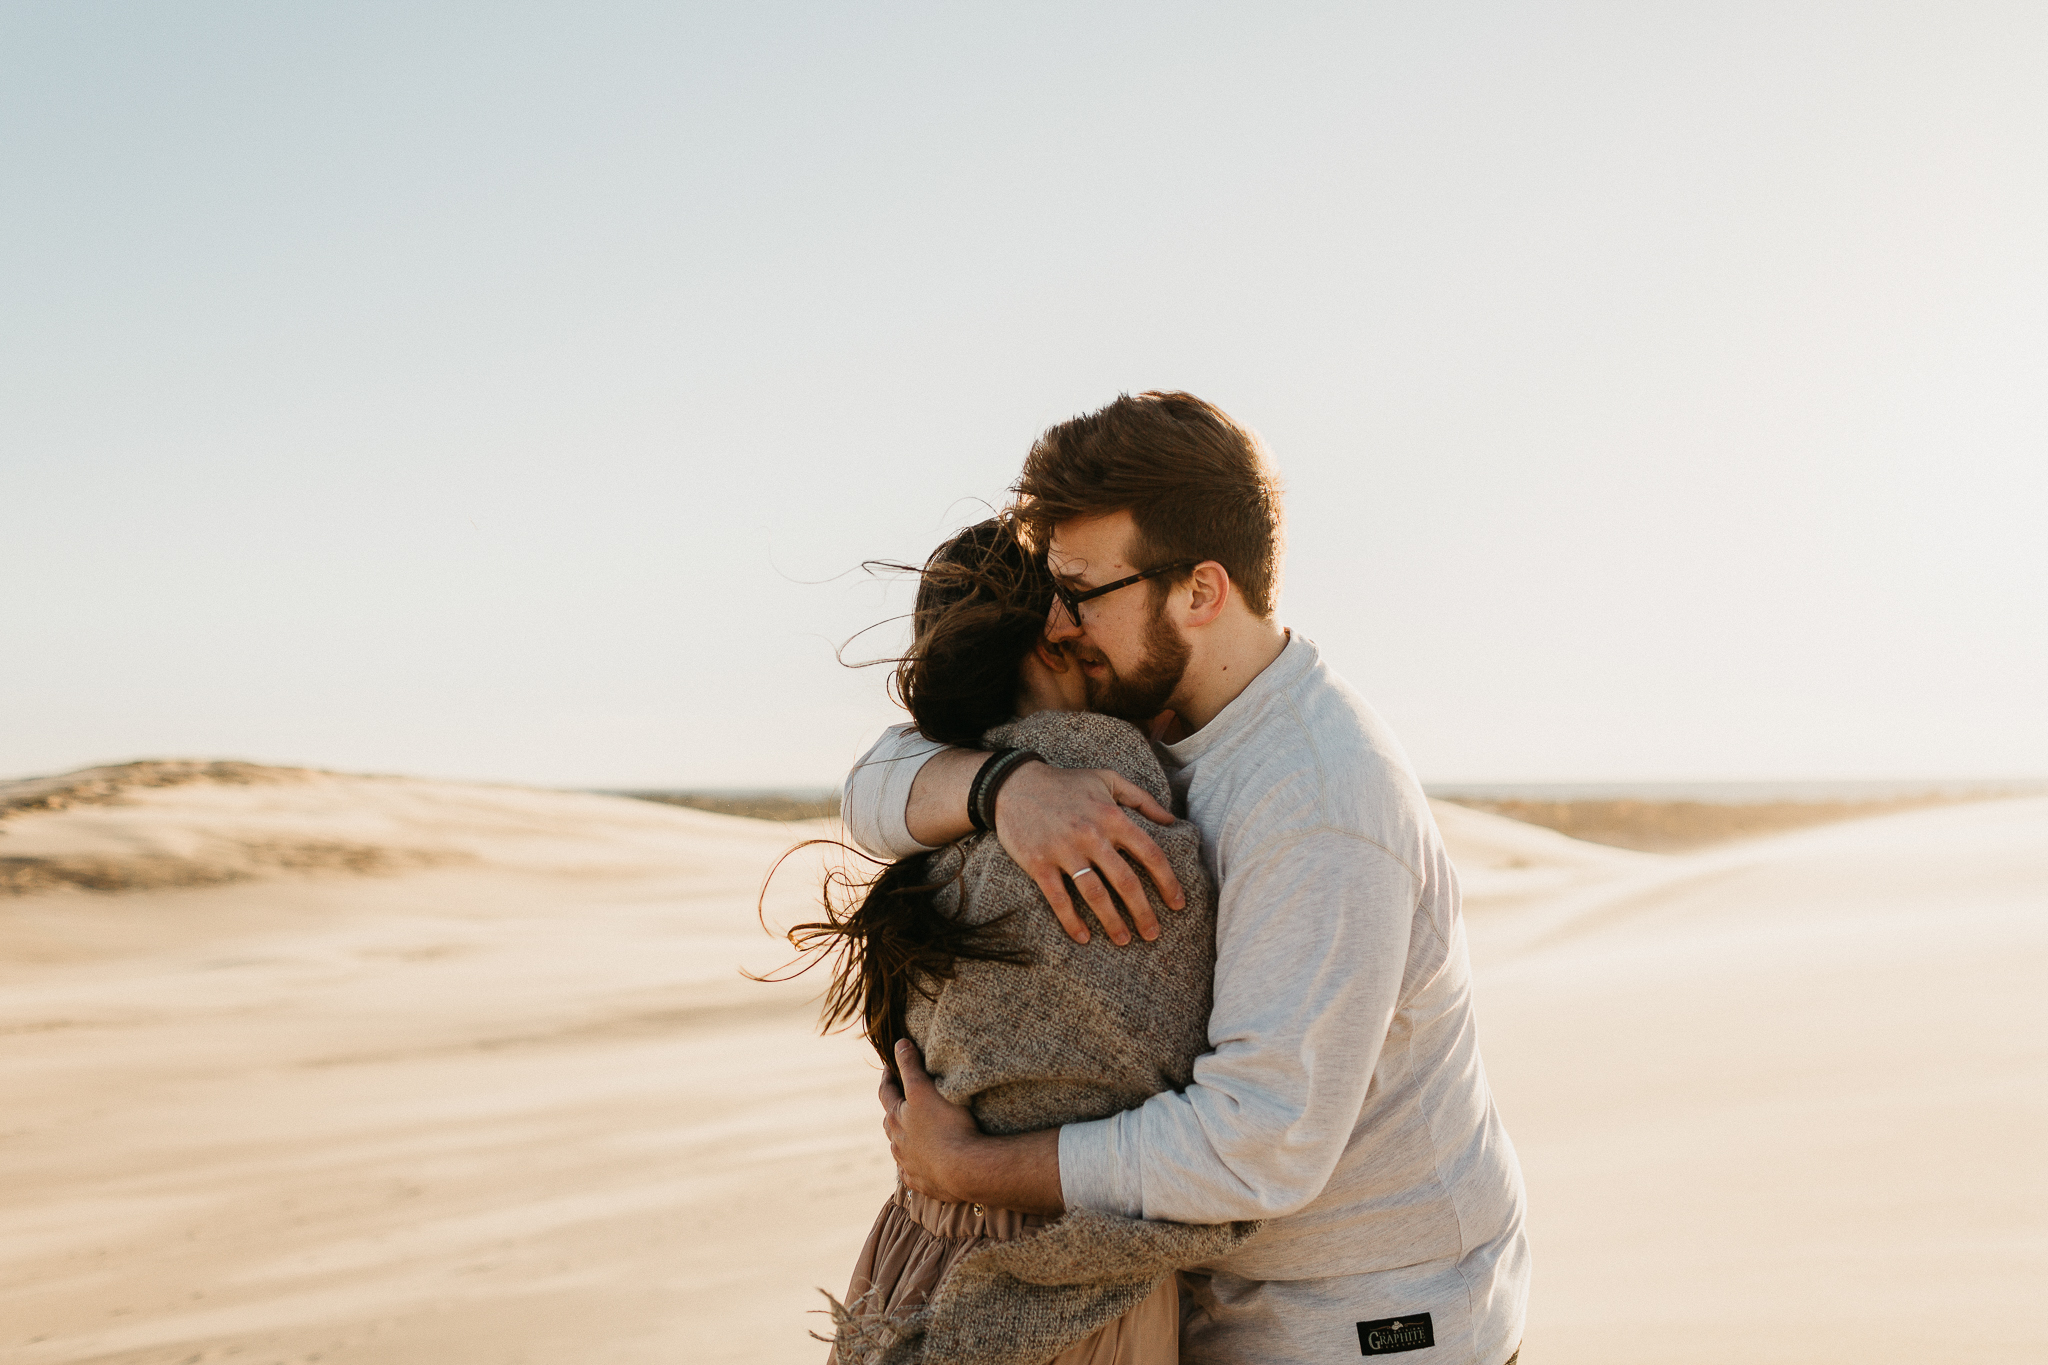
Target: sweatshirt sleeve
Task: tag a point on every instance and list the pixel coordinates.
(876, 796)
(1311, 945)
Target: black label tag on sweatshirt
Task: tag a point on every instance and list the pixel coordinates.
(1389, 1336)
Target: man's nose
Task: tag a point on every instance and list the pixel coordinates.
(1059, 626)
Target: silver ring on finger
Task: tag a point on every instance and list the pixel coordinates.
(1084, 872)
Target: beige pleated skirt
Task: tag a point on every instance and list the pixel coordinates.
(916, 1240)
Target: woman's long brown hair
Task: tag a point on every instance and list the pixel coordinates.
(886, 937)
(982, 601)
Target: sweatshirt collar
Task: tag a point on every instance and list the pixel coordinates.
(1294, 661)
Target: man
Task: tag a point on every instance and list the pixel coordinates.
(1344, 1098)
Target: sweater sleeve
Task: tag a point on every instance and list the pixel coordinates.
(876, 796)
(1311, 944)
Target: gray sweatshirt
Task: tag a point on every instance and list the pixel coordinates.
(1343, 1099)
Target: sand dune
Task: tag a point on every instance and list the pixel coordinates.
(498, 1094)
(1788, 1100)
(1682, 826)
(513, 1107)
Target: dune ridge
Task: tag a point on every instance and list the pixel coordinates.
(115, 867)
(112, 783)
(1675, 826)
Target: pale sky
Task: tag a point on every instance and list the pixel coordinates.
(506, 391)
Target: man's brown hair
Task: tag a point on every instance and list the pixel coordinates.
(1197, 485)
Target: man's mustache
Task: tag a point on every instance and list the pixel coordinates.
(1072, 652)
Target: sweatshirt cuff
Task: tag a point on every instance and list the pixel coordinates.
(1099, 1165)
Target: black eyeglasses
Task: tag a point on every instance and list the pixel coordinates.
(1072, 600)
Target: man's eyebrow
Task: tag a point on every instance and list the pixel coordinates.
(1075, 583)
(1070, 575)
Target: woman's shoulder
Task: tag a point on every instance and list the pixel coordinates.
(1086, 739)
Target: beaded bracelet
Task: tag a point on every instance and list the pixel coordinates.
(981, 796)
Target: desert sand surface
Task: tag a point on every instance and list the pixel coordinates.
(380, 1070)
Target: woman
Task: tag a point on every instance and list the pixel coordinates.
(958, 951)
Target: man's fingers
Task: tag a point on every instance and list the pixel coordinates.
(910, 1066)
(1139, 844)
(1152, 858)
(1129, 793)
(1055, 893)
(1088, 881)
(1114, 875)
(1123, 879)
(1056, 823)
(892, 1100)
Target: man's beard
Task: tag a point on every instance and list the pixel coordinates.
(1146, 691)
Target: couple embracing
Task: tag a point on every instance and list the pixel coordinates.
(1167, 967)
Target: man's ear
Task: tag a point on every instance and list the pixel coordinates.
(1208, 590)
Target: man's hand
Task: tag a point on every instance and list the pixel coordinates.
(928, 1134)
(1071, 821)
(1056, 821)
(940, 1152)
